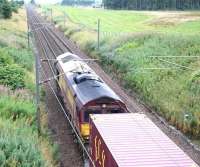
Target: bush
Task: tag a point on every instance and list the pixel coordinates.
(6, 10)
(12, 76)
(5, 58)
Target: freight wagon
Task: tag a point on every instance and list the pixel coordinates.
(132, 140)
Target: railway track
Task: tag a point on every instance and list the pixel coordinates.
(71, 154)
(51, 43)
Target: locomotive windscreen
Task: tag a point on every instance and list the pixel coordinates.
(105, 100)
(67, 58)
(88, 112)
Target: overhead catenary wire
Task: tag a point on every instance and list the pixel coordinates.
(176, 64)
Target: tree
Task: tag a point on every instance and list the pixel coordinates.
(33, 2)
(152, 4)
(6, 10)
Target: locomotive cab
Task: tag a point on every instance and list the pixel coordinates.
(103, 106)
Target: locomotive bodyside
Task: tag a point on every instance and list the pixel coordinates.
(84, 93)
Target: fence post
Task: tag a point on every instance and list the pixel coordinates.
(51, 10)
(65, 18)
(98, 34)
(37, 92)
(28, 29)
(28, 35)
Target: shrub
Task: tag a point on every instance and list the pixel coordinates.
(6, 10)
(12, 76)
(5, 57)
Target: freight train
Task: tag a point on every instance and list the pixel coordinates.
(83, 92)
(115, 137)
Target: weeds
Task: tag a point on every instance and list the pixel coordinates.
(167, 88)
(19, 141)
(15, 108)
(23, 57)
(16, 149)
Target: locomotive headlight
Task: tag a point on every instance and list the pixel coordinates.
(85, 130)
(104, 106)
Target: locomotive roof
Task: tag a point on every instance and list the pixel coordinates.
(86, 84)
(93, 89)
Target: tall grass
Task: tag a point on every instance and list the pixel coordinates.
(16, 108)
(170, 85)
(18, 146)
(24, 57)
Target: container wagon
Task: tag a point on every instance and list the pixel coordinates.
(132, 140)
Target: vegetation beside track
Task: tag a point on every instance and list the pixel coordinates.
(19, 141)
(130, 48)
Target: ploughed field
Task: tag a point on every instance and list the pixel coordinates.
(155, 54)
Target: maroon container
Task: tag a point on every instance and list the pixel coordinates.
(132, 140)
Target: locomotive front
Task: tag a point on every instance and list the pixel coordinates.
(84, 93)
(95, 97)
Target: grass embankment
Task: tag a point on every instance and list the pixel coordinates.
(158, 58)
(19, 141)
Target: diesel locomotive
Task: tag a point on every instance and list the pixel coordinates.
(83, 92)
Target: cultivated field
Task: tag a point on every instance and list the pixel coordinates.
(155, 54)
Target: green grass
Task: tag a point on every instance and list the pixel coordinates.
(112, 21)
(16, 108)
(23, 57)
(190, 27)
(173, 91)
(20, 144)
(118, 21)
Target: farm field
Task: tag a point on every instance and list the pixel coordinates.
(19, 141)
(155, 54)
(132, 21)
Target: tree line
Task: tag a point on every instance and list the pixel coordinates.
(152, 4)
(78, 2)
(7, 7)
